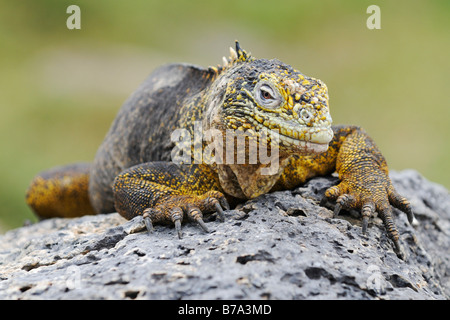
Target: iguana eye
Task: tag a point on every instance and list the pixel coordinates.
(267, 96)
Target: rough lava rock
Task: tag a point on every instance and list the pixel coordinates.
(281, 245)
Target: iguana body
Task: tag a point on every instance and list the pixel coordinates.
(133, 174)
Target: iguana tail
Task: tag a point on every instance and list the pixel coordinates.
(61, 192)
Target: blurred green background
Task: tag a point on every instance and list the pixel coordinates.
(60, 89)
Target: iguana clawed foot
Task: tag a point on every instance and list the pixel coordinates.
(372, 192)
(193, 207)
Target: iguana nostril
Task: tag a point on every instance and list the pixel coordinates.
(305, 114)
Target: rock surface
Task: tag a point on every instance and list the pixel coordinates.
(281, 245)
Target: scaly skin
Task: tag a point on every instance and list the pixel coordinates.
(267, 100)
(61, 190)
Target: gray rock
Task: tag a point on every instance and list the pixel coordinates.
(281, 245)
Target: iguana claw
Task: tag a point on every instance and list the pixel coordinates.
(377, 196)
(192, 206)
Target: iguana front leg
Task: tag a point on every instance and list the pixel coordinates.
(365, 184)
(163, 192)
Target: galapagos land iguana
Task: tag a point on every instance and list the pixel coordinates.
(133, 172)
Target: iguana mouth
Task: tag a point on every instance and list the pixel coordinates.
(305, 146)
(311, 140)
(297, 138)
(317, 135)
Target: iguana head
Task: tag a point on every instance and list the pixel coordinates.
(269, 96)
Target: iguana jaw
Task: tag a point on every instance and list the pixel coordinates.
(317, 143)
(297, 139)
(309, 141)
(289, 135)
